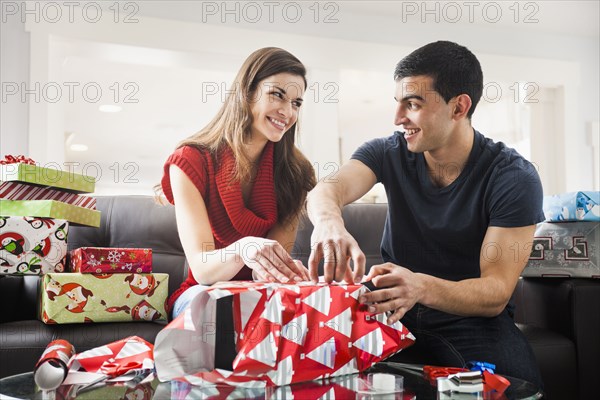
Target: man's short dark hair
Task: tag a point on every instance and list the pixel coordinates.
(453, 68)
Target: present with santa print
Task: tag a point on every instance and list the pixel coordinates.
(82, 298)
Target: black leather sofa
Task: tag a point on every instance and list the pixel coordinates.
(560, 317)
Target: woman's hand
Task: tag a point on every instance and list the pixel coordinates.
(269, 261)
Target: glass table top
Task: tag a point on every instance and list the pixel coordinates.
(22, 386)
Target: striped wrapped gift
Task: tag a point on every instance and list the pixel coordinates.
(23, 191)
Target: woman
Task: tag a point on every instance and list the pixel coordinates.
(239, 185)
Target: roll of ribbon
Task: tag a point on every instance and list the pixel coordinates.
(384, 382)
(51, 369)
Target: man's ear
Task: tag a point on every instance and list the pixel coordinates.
(462, 105)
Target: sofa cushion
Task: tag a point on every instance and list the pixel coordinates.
(137, 221)
(556, 358)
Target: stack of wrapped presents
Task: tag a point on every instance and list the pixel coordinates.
(567, 243)
(37, 204)
(105, 285)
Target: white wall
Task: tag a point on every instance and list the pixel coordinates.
(541, 41)
(14, 69)
(370, 43)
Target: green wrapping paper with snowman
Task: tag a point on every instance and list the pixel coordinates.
(67, 298)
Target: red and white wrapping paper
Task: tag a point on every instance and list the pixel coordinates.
(98, 260)
(124, 356)
(23, 191)
(285, 333)
(52, 367)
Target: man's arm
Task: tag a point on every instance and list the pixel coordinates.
(330, 239)
(504, 254)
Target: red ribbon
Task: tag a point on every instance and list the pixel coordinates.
(491, 382)
(114, 369)
(495, 382)
(10, 159)
(431, 372)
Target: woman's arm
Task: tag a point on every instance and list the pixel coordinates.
(207, 265)
(266, 256)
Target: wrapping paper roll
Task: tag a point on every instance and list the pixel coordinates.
(52, 368)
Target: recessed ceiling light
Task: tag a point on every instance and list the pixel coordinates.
(78, 147)
(109, 108)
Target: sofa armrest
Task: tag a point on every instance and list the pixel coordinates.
(544, 303)
(570, 307)
(19, 294)
(10, 289)
(585, 307)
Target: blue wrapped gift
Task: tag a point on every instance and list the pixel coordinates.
(573, 206)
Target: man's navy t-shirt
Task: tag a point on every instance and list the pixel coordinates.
(440, 231)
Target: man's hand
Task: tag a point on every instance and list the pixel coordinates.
(333, 243)
(399, 290)
(330, 240)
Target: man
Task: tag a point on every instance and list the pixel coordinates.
(461, 217)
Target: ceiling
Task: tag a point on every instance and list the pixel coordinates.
(547, 16)
(550, 16)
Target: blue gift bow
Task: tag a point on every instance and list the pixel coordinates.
(481, 366)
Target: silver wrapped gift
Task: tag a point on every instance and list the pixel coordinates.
(565, 249)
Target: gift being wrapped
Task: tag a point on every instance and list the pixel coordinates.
(32, 246)
(75, 298)
(252, 334)
(565, 249)
(97, 260)
(574, 206)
